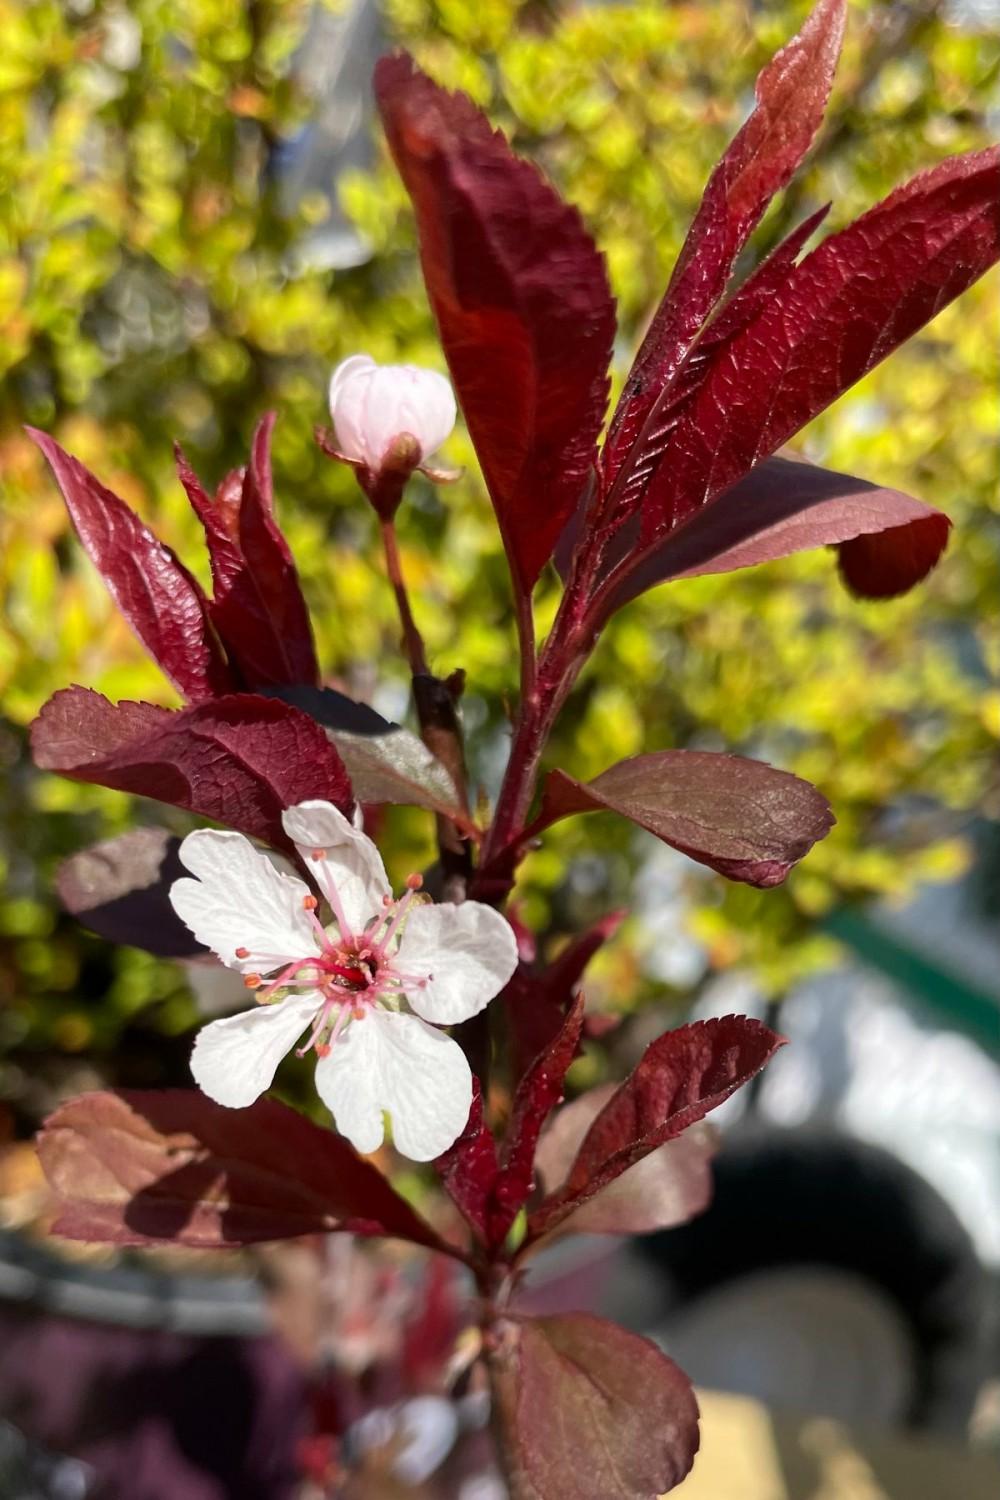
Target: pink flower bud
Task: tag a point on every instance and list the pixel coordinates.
(374, 405)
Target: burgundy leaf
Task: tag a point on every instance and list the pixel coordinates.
(588, 1411)
(846, 306)
(787, 505)
(759, 287)
(171, 1167)
(521, 299)
(666, 1188)
(883, 564)
(239, 760)
(536, 1000)
(120, 890)
(792, 93)
(468, 1169)
(257, 608)
(159, 598)
(680, 1077)
(537, 1093)
(386, 763)
(740, 817)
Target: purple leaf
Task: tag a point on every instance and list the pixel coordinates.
(386, 763)
(151, 1168)
(587, 1411)
(853, 300)
(740, 817)
(787, 505)
(239, 760)
(468, 1169)
(257, 608)
(680, 1077)
(521, 299)
(159, 598)
(792, 93)
(537, 999)
(119, 889)
(666, 1188)
(537, 1093)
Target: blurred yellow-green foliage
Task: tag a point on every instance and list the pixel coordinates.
(152, 287)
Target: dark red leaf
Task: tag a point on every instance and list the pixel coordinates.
(588, 1411)
(521, 298)
(386, 763)
(468, 1169)
(537, 999)
(680, 1077)
(239, 760)
(887, 563)
(846, 306)
(792, 93)
(537, 1094)
(257, 608)
(666, 1188)
(143, 1168)
(120, 890)
(159, 598)
(740, 817)
(784, 506)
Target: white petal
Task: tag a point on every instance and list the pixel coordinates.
(467, 953)
(349, 406)
(355, 364)
(349, 872)
(235, 1059)
(240, 900)
(395, 1063)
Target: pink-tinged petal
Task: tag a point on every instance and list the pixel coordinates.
(372, 404)
(394, 1064)
(234, 1060)
(240, 901)
(465, 953)
(348, 870)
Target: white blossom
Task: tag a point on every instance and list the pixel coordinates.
(370, 988)
(372, 405)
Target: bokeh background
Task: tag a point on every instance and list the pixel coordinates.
(198, 220)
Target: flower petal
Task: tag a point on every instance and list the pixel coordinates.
(395, 1063)
(467, 953)
(235, 1059)
(239, 900)
(349, 872)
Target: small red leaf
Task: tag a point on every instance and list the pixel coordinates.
(120, 890)
(842, 310)
(537, 999)
(159, 598)
(740, 817)
(521, 298)
(666, 1188)
(792, 93)
(680, 1077)
(537, 1093)
(588, 1411)
(257, 608)
(239, 760)
(784, 506)
(145, 1168)
(888, 563)
(468, 1169)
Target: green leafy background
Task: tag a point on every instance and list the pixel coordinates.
(150, 290)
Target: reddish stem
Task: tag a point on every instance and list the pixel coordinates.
(413, 641)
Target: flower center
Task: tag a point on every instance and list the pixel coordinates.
(350, 973)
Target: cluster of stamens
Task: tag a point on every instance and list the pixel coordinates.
(350, 975)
